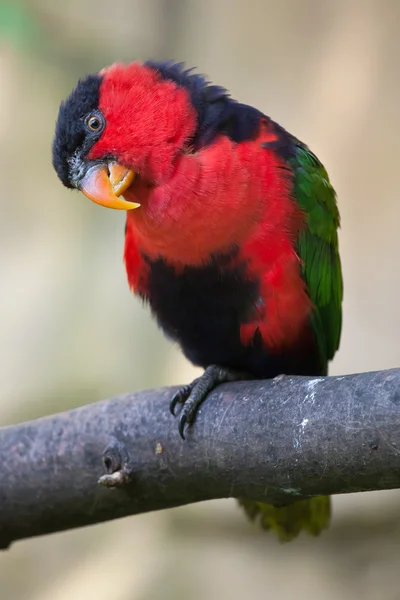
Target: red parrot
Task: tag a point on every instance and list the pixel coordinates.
(231, 231)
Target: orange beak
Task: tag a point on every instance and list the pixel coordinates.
(105, 184)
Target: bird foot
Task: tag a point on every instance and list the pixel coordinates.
(190, 396)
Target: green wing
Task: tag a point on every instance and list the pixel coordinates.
(318, 248)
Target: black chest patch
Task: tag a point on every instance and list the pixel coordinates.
(202, 309)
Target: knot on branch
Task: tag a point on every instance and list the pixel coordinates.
(116, 461)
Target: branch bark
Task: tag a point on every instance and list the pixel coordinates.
(267, 440)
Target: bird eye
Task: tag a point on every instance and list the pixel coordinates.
(94, 123)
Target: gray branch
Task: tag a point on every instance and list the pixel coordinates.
(267, 440)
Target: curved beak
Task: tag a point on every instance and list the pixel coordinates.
(105, 184)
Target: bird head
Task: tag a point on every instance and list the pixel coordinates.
(123, 123)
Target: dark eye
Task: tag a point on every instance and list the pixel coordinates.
(94, 123)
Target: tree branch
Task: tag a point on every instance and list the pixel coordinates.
(268, 440)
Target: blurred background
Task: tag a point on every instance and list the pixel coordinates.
(71, 333)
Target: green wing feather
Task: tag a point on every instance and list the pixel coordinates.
(318, 248)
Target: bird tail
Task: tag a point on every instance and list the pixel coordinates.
(310, 514)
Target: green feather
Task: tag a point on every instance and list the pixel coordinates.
(318, 248)
(309, 514)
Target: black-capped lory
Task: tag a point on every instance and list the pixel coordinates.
(231, 231)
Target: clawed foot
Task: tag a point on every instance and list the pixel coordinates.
(192, 395)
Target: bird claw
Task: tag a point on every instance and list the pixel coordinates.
(181, 425)
(175, 400)
(181, 396)
(190, 396)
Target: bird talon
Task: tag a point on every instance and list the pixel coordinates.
(180, 397)
(175, 400)
(181, 426)
(193, 394)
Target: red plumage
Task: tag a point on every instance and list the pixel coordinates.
(218, 199)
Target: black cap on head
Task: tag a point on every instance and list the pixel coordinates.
(72, 136)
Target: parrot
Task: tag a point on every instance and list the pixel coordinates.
(231, 232)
